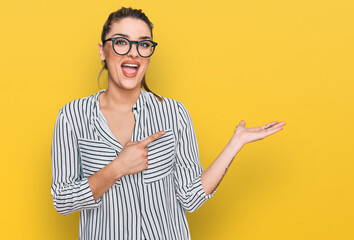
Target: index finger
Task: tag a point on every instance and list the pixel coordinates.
(152, 137)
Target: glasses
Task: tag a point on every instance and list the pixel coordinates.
(122, 46)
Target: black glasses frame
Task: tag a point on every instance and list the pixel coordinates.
(130, 45)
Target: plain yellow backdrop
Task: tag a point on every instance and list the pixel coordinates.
(227, 61)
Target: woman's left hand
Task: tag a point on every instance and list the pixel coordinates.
(246, 135)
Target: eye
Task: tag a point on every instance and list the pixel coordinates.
(146, 44)
(121, 42)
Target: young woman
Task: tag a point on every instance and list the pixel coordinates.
(127, 158)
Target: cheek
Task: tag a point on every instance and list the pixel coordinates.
(113, 60)
(146, 64)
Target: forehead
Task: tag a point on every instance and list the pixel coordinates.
(132, 27)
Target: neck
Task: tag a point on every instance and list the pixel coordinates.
(119, 98)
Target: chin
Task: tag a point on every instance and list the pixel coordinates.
(131, 83)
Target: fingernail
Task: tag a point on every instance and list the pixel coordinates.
(163, 132)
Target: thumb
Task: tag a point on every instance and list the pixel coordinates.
(242, 123)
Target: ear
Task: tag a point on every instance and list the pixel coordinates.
(100, 47)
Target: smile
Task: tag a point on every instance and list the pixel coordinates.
(130, 68)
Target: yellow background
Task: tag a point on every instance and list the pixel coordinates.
(226, 61)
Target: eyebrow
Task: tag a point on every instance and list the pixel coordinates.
(124, 35)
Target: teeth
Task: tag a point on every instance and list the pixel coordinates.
(130, 65)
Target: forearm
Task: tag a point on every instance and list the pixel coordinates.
(103, 179)
(213, 175)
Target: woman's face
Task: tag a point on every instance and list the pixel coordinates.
(119, 73)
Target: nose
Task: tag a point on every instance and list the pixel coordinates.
(133, 51)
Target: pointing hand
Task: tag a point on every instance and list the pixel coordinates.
(133, 156)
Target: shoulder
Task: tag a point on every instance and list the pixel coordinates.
(79, 104)
(170, 107)
(78, 109)
(169, 102)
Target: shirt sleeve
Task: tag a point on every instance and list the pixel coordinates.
(70, 191)
(188, 170)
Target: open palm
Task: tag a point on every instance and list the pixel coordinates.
(247, 135)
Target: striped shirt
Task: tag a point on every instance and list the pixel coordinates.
(151, 204)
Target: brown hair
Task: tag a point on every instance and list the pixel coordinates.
(115, 17)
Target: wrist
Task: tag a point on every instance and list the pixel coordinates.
(117, 169)
(236, 143)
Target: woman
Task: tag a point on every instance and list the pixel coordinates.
(128, 158)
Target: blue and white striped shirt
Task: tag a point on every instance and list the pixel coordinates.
(147, 205)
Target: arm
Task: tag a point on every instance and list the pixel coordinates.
(70, 191)
(104, 178)
(188, 170)
(212, 177)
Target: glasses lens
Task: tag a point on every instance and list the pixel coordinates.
(121, 46)
(146, 48)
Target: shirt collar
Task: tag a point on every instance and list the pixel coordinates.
(139, 104)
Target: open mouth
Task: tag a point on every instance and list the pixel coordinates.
(130, 69)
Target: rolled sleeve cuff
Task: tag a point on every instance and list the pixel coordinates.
(200, 189)
(91, 203)
(74, 197)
